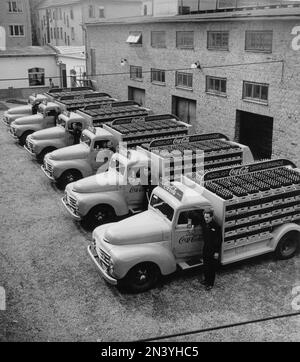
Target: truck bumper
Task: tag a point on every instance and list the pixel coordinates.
(29, 151)
(69, 209)
(96, 260)
(47, 173)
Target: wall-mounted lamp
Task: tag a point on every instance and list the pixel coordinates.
(196, 65)
(123, 62)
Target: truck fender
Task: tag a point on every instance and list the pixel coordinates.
(80, 165)
(279, 232)
(159, 254)
(112, 198)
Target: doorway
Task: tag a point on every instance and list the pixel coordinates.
(184, 108)
(255, 131)
(137, 95)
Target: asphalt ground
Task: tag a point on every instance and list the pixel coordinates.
(55, 293)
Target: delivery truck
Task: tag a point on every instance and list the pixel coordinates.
(99, 144)
(123, 190)
(48, 112)
(257, 207)
(35, 99)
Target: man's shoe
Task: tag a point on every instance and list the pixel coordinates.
(208, 287)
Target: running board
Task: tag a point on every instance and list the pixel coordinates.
(191, 263)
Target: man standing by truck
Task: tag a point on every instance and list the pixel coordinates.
(76, 132)
(212, 243)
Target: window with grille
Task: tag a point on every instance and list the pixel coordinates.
(184, 80)
(255, 91)
(185, 39)
(217, 40)
(16, 30)
(259, 41)
(215, 85)
(136, 72)
(158, 39)
(36, 76)
(15, 7)
(158, 75)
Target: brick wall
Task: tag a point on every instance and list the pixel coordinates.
(214, 113)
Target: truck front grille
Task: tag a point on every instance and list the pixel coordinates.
(29, 145)
(71, 201)
(13, 131)
(104, 257)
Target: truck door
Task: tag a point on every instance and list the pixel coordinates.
(100, 155)
(50, 118)
(134, 191)
(187, 238)
(69, 134)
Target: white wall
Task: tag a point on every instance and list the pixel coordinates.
(2, 38)
(17, 67)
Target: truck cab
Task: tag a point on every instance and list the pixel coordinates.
(22, 111)
(45, 117)
(72, 163)
(40, 143)
(109, 195)
(257, 207)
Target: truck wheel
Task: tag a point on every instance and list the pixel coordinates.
(68, 177)
(22, 139)
(142, 277)
(40, 157)
(288, 245)
(99, 215)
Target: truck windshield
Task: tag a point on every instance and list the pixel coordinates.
(61, 122)
(115, 164)
(159, 204)
(85, 139)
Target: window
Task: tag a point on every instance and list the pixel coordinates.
(256, 91)
(61, 33)
(54, 33)
(184, 80)
(72, 33)
(60, 14)
(68, 40)
(93, 61)
(51, 33)
(68, 21)
(101, 12)
(185, 39)
(65, 38)
(215, 85)
(91, 11)
(136, 72)
(145, 10)
(36, 76)
(71, 14)
(259, 41)
(158, 75)
(134, 38)
(16, 30)
(217, 40)
(15, 7)
(158, 39)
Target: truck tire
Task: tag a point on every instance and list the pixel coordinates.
(288, 245)
(141, 277)
(40, 157)
(99, 215)
(68, 177)
(22, 139)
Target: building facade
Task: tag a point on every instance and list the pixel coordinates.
(236, 74)
(15, 24)
(60, 22)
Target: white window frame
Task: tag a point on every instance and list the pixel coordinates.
(12, 26)
(18, 4)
